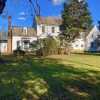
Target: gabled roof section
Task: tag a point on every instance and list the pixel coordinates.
(95, 31)
(49, 20)
(23, 31)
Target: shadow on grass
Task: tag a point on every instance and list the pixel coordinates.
(89, 53)
(47, 79)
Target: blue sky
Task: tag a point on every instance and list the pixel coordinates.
(21, 12)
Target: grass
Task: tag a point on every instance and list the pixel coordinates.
(75, 77)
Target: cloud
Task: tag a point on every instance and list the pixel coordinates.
(58, 2)
(22, 13)
(21, 18)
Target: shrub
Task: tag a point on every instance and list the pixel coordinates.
(50, 46)
(19, 52)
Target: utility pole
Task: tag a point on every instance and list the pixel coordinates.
(9, 46)
(36, 8)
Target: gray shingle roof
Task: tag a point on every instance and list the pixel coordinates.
(49, 20)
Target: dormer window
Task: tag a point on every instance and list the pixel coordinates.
(18, 44)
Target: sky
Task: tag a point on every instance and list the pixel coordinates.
(21, 11)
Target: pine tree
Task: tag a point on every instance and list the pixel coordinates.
(76, 18)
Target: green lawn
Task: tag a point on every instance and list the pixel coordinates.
(75, 77)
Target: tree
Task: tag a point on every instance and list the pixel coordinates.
(2, 5)
(76, 18)
(49, 46)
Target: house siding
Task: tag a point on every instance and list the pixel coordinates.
(3, 47)
(91, 40)
(21, 39)
(48, 30)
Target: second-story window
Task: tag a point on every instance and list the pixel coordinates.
(53, 29)
(43, 29)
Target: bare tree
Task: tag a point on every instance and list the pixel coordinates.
(2, 5)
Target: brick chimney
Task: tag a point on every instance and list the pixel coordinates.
(9, 46)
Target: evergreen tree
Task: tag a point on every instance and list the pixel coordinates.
(76, 18)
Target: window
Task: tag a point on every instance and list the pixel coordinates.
(26, 44)
(98, 36)
(53, 29)
(76, 45)
(92, 36)
(92, 44)
(82, 45)
(98, 43)
(18, 44)
(43, 29)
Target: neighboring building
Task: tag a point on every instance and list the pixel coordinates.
(3, 46)
(3, 42)
(22, 37)
(78, 45)
(93, 40)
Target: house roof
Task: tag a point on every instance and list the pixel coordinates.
(49, 20)
(23, 31)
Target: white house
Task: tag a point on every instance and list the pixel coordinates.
(93, 40)
(22, 37)
(48, 26)
(3, 43)
(3, 46)
(78, 45)
(89, 43)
